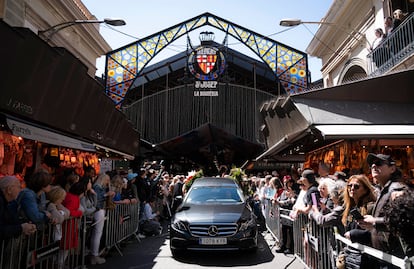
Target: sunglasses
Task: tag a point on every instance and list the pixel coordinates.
(356, 186)
(379, 163)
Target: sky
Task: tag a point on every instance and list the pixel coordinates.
(145, 18)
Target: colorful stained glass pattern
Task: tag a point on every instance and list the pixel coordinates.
(124, 65)
(295, 78)
(291, 70)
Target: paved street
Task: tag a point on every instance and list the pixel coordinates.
(154, 252)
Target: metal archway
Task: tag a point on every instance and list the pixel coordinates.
(125, 64)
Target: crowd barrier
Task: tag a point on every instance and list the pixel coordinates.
(122, 223)
(317, 247)
(49, 247)
(47, 250)
(271, 214)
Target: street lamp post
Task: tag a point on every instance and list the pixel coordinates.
(50, 32)
(296, 22)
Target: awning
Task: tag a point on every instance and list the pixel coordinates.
(208, 141)
(123, 154)
(363, 131)
(380, 108)
(32, 132)
(390, 88)
(329, 133)
(282, 144)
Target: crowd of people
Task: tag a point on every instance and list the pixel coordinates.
(60, 198)
(381, 54)
(374, 210)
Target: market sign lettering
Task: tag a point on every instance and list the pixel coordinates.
(205, 93)
(205, 84)
(16, 129)
(20, 106)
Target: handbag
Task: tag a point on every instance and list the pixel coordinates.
(340, 260)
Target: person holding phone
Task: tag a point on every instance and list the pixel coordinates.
(312, 195)
(356, 215)
(359, 199)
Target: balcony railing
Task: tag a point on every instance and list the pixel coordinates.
(395, 49)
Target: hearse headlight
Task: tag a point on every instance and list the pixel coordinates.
(179, 225)
(246, 224)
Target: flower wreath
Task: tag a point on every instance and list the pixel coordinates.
(193, 175)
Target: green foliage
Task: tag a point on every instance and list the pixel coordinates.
(237, 174)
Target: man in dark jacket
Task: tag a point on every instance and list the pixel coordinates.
(10, 226)
(9, 221)
(177, 195)
(143, 190)
(389, 178)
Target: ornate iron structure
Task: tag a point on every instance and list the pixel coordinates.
(125, 64)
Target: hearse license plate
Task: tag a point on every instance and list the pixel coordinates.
(213, 241)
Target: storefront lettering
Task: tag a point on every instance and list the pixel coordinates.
(20, 106)
(205, 93)
(205, 84)
(20, 130)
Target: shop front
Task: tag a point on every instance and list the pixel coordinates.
(341, 125)
(25, 147)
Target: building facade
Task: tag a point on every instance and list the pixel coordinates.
(346, 33)
(82, 40)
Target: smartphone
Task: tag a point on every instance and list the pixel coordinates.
(356, 215)
(314, 199)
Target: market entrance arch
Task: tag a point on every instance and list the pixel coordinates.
(125, 64)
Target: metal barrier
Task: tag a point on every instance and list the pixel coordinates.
(122, 223)
(394, 49)
(271, 214)
(46, 249)
(316, 246)
(312, 242)
(50, 247)
(406, 263)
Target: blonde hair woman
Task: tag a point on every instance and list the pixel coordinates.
(59, 213)
(117, 184)
(101, 189)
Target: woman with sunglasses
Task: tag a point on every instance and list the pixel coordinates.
(359, 199)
